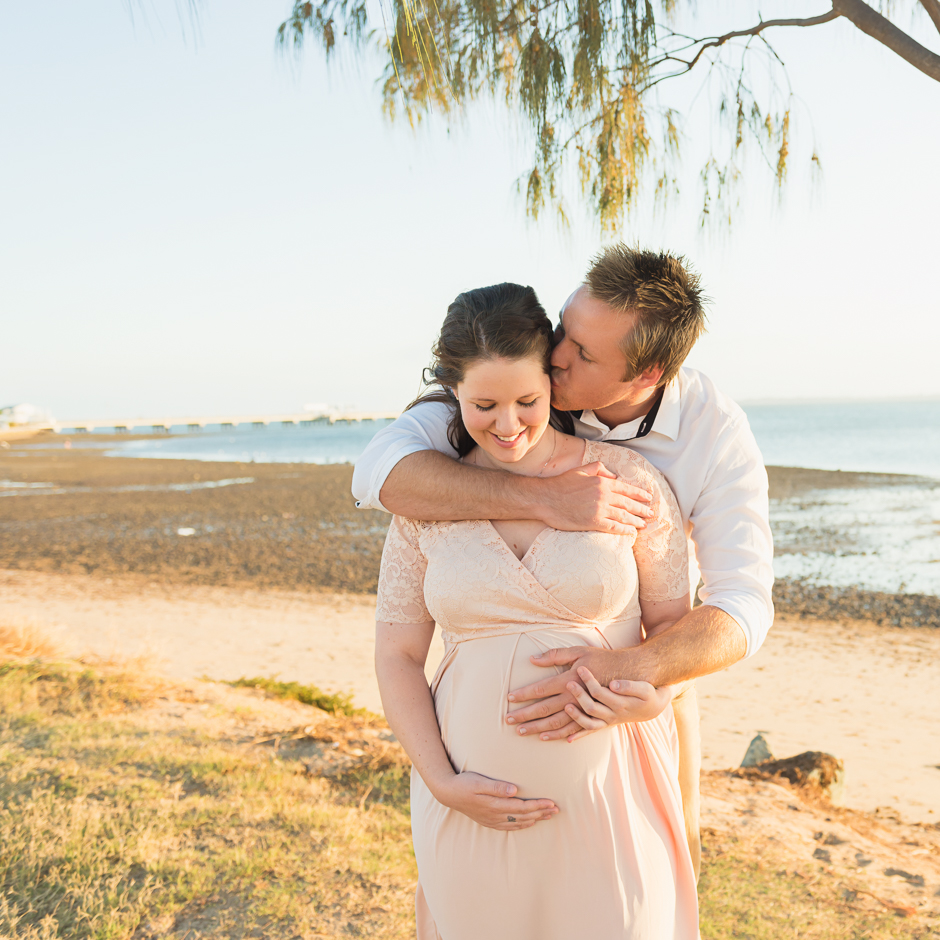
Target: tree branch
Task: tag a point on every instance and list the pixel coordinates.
(933, 11)
(760, 27)
(878, 27)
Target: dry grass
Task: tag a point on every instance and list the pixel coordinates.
(25, 640)
(113, 827)
(743, 897)
(35, 675)
(119, 825)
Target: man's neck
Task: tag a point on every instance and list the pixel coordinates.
(623, 412)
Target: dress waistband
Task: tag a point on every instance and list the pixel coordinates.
(516, 629)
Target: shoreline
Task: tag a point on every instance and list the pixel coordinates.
(294, 527)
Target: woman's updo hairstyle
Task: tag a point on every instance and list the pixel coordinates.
(505, 321)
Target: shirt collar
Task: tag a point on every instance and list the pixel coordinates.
(667, 420)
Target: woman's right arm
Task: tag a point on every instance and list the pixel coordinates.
(400, 653)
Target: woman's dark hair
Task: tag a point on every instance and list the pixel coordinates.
(505, 321)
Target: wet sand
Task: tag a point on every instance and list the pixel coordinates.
(283, 526)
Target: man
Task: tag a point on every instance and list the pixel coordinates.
(617, 367)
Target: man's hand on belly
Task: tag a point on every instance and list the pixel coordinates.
(558, 714)
(548, 718)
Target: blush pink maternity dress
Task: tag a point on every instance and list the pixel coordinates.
(614, 864)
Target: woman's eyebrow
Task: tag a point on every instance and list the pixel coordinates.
(526, 395)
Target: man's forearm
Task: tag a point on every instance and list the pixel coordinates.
(704, 641)
(428, 485)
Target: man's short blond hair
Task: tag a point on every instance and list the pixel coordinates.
(664, 296)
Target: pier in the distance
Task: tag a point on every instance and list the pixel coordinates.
(161, 424)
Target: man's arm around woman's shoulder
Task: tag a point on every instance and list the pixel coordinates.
(409, 469)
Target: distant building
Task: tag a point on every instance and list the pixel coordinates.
(26, 417)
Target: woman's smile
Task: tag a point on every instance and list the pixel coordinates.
(508, 441)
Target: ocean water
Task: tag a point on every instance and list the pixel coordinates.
(873, 437)
(882, 538)
(317, 442)
(878, 437)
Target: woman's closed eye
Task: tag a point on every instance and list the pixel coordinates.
(524, 404)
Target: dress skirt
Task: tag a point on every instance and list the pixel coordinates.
(613, 864)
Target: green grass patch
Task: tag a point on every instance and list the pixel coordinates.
(338, 703)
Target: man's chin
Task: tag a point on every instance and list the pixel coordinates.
(560, 402)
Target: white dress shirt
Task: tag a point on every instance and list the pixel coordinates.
(701, 443)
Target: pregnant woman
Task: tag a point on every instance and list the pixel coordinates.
(517, 839)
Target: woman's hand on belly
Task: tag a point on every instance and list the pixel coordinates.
(599, 708)
(492, 803)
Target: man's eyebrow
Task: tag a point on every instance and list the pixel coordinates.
(581, 346)
(568, 335)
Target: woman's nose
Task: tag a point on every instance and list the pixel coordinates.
(506, 424)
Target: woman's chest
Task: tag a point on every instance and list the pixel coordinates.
(473, 574)
(519, 534)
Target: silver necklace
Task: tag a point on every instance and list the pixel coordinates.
(552, 454)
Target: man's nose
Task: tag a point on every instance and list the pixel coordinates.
(558, 359)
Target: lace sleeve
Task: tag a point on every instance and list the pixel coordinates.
(401, 577)
(661, 549)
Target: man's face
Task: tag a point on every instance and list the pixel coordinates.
(588, 365)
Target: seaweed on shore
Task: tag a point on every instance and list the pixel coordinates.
(799, 598)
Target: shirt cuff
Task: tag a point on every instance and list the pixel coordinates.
(383, 469)
(750, 614)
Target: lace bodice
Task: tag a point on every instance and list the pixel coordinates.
(465, 577)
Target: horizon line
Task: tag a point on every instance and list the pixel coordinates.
(902, 399)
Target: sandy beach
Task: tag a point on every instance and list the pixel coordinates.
(858, 691)
(276, 579)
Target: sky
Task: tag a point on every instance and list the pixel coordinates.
(193, 223)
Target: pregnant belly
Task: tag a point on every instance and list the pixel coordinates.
(470, 695)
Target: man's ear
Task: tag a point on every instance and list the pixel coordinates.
(651, 377)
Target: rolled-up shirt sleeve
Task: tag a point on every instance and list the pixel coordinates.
(423, 427)
(732, 537)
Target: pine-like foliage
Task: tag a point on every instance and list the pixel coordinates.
(583, 74)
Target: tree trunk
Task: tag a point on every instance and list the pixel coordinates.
(933, 11)
(878, 27)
